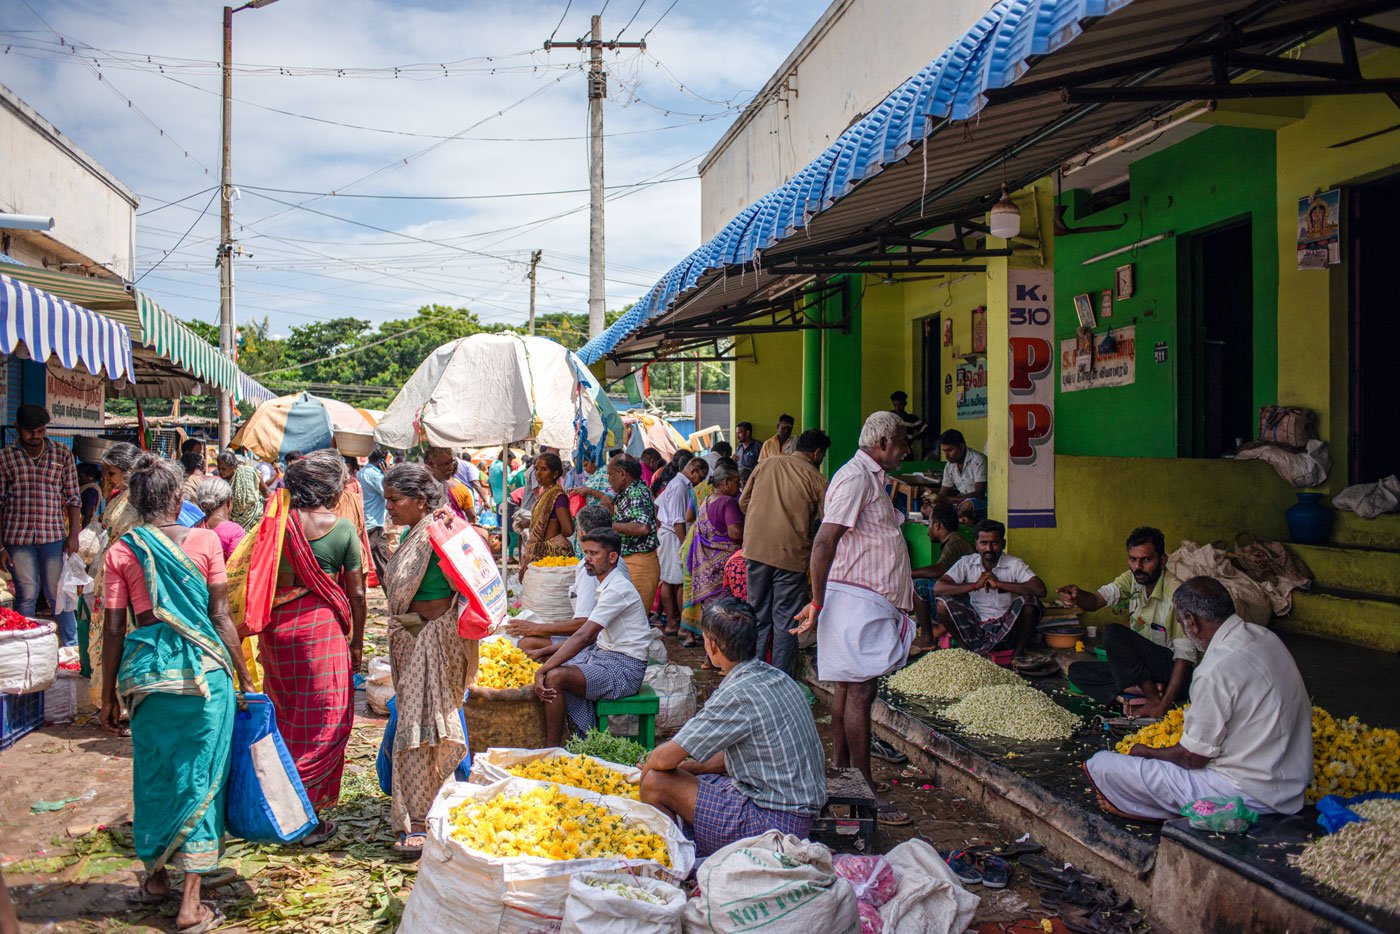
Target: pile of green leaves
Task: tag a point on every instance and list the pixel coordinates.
(616, 749)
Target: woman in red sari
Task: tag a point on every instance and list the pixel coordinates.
(312, 643)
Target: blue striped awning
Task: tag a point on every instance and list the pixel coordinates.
(994, 53)
(50, 326)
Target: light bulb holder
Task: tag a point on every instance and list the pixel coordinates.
(1004, 219)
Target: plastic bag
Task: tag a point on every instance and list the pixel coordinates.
(870, 920)
(871, 876)
(1220, 814)
(267, 802)
(675, 692)
(379, 685)
(72, 584)
(591, 908)
(468, 563)
(1334, 813)
(384, 762)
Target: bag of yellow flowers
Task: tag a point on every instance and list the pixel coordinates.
(546, 588)
(499, 857)
(557, 765)
(501, 708)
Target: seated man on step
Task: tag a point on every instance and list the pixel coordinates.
(750, 760)
(606, 657)
(1149, 656)
(539, 639)
(990, 599)
(1248, 731)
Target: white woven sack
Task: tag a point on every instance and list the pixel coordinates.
(61, 701)
(494, 764)
(469, 892)
(379, 685)
(546, 592)
(675, 691)
(28, 659)
(591, 909)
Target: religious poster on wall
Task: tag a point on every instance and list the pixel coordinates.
(1031, 409)
(1110, 360)
(1320, 229)
(979, 329)
(972, 389)
(74, 397)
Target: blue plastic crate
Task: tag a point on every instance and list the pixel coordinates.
(20, 715)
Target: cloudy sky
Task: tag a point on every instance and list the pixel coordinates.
(392, 98)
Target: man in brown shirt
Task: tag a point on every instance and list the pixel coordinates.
(782, 504)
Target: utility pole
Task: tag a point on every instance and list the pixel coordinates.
(226, 330)
(597, 90)
(226, 231)
(534, 261)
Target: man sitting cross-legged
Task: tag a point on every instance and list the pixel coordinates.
(750, 760)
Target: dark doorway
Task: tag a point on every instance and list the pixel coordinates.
(1374, 435)
(1218, 343)
(931, 391)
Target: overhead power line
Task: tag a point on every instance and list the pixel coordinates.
(511, 194)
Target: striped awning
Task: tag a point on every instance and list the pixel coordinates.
(49, 326)
(151, 326)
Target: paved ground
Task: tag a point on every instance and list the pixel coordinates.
(72, 869)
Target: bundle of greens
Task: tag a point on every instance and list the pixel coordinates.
(609, 748)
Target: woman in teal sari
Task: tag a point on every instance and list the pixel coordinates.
(174, 672)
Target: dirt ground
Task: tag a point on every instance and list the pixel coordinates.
(71, 869)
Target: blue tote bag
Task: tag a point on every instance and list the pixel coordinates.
(266, 800)
(384, 763)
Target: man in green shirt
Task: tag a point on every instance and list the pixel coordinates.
(1150, 657)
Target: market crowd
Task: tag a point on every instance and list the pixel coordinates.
(745, 549)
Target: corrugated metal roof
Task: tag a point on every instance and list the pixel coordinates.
(919, 153)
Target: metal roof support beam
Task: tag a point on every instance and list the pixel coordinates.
(1259, 89)
(1374, 33)
(880, 270)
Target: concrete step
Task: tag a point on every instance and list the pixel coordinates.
(1353, 568)
(1381, 532)
(1332, 613)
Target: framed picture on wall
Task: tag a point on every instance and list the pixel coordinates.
(1084, 310)
(1124, 282)
(1105, 304)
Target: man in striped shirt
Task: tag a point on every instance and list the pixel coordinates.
(862, 592)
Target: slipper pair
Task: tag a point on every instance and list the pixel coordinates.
(979, 868)
(887, 815)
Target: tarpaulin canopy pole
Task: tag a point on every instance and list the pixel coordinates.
(505, 525)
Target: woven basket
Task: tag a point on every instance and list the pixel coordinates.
(504, 717)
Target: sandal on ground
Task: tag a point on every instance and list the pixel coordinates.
(964, 866)
(689, 643)
(880, 787)
(1088, 921)
(887, 815)
(406, 845)
(1012, 850)
(146, 897)
(323, 832)
(1035, 862)
(884, 751)
(996, 872)
(213, 919)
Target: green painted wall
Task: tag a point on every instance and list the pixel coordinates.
(1218, 176)
(842, 413)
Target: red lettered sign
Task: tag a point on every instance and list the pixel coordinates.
(1031, 409)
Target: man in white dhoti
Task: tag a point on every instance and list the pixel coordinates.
(862, 593)
(1248, 731)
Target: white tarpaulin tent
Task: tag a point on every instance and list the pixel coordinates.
(494, 389)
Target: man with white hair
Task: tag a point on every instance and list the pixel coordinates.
(862, 593)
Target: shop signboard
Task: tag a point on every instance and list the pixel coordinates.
(1108, 360)
(75, 398)
(1031, 409)
(972, 389)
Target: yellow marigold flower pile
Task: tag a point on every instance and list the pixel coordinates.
(1349, 757)
(549, 824)
(555, 562)
(578, 771)
(502, 665)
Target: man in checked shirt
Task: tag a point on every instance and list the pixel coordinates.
(38, 492)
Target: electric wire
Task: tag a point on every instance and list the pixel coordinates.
(212, 196)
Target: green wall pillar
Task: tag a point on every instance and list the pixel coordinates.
(841, 391)
(811, 415)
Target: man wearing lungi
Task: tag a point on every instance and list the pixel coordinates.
(606, 657)
(862, 593)
(990, 599)
(750, 760)
(1248, 731)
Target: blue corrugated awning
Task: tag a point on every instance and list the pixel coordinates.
(51, 326)
(994, 53)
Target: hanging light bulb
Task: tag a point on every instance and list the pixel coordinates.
(1005, 217)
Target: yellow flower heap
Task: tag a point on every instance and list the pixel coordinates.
(578, 771)
(1349, 757)
(503, 666)
(555, 562)
(549, 824)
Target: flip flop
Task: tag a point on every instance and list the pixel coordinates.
(890, 816)
(318, 835)
(1008, 850)
(213, 919)
(882, 787)
(405, 848)
(996, 872)
(1037, 863)
(1088, 921)
(964, 866)
(145, 896)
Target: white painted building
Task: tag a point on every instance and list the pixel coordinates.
(846, 64)
(44, 172)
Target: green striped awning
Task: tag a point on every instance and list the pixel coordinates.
(150, 326)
